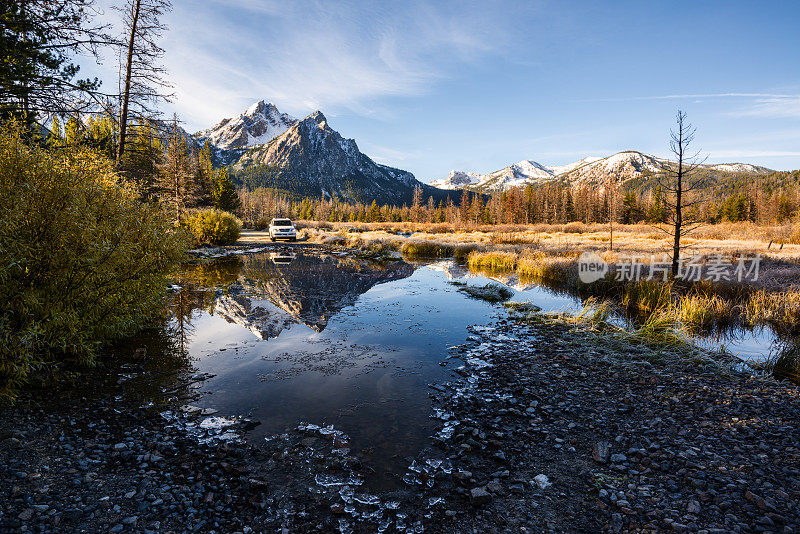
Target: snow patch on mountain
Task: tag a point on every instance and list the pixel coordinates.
(457, 179)
(258, 125)
(621, 167)
(738, 167)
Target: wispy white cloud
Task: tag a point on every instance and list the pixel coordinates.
(767, 105)
(305, 55)
(773, 107)
(695, 96)
(387, 155)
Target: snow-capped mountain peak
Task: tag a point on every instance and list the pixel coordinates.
(457, 179)
(259, 124)
(621, 167)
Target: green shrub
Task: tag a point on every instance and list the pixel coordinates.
(212, 226)
(81, 260)
(263, 224)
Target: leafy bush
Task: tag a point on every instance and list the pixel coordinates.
(212, 226)
(81, 260)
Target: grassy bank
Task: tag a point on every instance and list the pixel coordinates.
(548, 255)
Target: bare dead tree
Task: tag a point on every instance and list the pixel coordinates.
(682, 181)
(143, 83)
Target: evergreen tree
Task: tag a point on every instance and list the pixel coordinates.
(178, 188)
(39, 39)
(656, 212)
(205, 174)
(374, 214)
(630, 209)
(224, 192)
(101, 135)
(785, 208)
(569, 207)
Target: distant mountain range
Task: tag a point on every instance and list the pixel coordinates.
(622, 167)
(306, 157)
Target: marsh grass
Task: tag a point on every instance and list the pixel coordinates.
(525, 307)
(548, 270)
(787, 365)
(781, 310)
(702, 312)
(426, 249)
(645, 296)
(461, 253)
(547, 255)
(492, 261)
(595, 312)
(661, 329)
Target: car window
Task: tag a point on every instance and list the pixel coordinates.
(282, 222)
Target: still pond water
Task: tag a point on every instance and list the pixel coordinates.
(297, 335)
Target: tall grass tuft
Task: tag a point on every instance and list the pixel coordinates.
(646, 296)
(426, 249)
(661, 329)
(548, 270)
(787, 365)
(461, 253)
(781, 310)
(701, 311)
(596, 312)
(492, 261)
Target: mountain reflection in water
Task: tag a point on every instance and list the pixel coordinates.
(277, 291)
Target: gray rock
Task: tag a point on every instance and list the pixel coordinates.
(479, 496)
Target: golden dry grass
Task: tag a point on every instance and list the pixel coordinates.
(547, 254)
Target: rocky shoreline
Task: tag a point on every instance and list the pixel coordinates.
(550, 426)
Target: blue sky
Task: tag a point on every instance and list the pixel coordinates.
(434, 86)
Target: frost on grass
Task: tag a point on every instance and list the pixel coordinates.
(522, 307)
(489, 292)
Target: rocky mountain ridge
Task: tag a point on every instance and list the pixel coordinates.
(306, 158)
(622, 167)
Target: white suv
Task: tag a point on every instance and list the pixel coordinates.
(282, 229)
